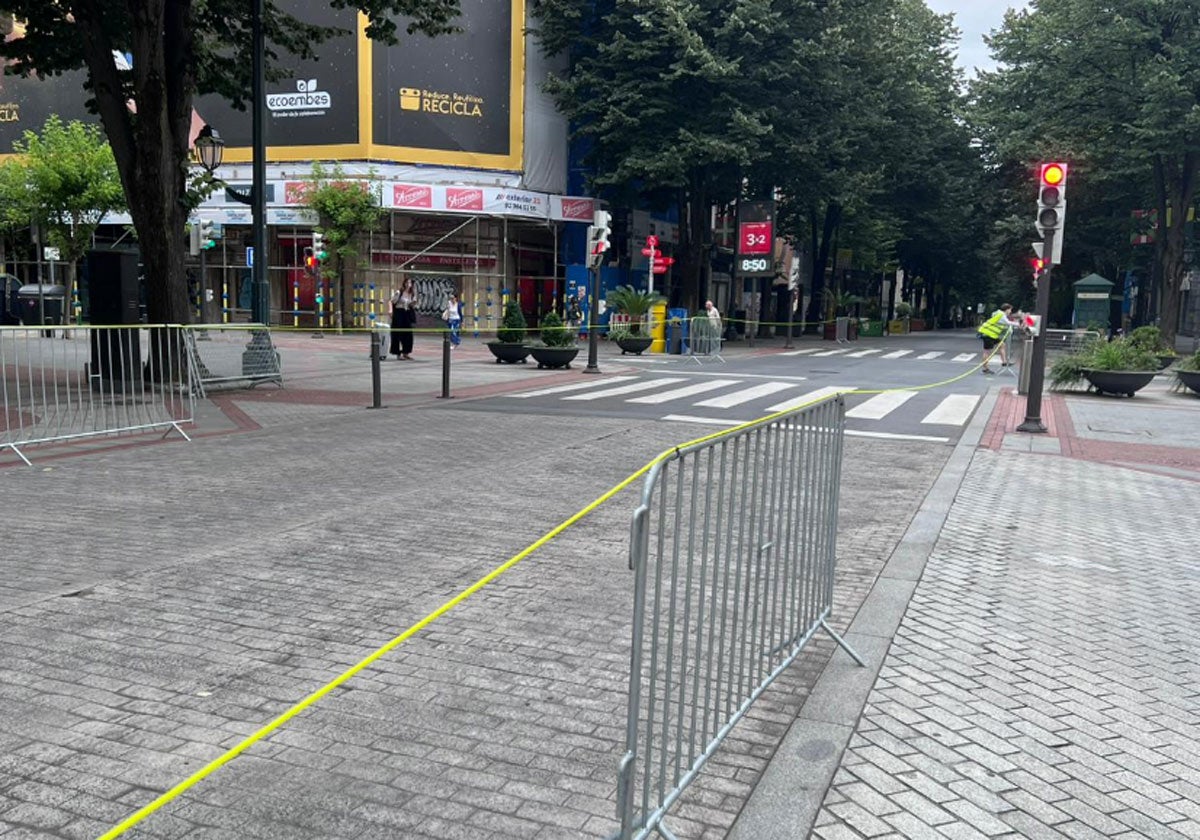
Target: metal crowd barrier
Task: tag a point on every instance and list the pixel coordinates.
(232, 356)
(704, 339)
(76, 382)
(1069, 341)
(733, 552)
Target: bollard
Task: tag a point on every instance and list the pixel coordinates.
(446, 364)
(1026, 365)
(376, 384)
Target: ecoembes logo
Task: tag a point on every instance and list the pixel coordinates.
(436, 102)
(305, 101)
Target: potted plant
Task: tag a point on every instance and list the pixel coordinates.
(1150, 339)
(1111, 367)
(636, 304)
(510, 346)
(1188, 371)
(837, 305)
(557, 348)
(871, 326)
(899, 324)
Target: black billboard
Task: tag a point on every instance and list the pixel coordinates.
(25, 104)
(457, 97)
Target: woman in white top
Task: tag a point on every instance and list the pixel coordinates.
(452, 315)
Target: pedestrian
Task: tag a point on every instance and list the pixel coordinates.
(714, 316)
(574, 315)
(994, 331)
(452, 314)
(404, 316)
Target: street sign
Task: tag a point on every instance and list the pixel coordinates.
(652, 241)
(250, 256)
(649, 252)
(51, 254)
(663, 262)
(659, 269)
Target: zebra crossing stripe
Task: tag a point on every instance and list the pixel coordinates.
(631, 388)
(881, 405)
(705, 421)
(831, 352)
(746, 395)
(563, 389)
(965, 357)
(896, 355)
(811, 396)
(800, 352)
(859, 354)
(932, 355)
(686, 391)
(953, 411)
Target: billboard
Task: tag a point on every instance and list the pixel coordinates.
(25, 104)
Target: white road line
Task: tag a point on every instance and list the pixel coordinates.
(881, 406)
(861, 353)
(831, 352)
(578, 386)
(686, 391)
(746, 394)
(954, 410)
(965, 357)
(800, 352)
(707, 421)
(932, 355)
(895, 436)
(896, 355)
(810, 397)
(632, 388)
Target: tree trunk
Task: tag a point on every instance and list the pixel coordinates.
(693, 204)
(820, 250)
(1175, 180)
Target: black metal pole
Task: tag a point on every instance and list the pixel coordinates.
(446, 363)
(593, 323)
(791, 307)
(376, 383)
(1037, 373)
(260, 291)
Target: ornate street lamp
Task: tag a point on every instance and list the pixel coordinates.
(209, 149)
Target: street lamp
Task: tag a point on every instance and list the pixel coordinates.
(209, 149)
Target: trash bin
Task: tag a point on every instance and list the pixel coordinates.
(675, 337)
(41, 303)
(10, 301)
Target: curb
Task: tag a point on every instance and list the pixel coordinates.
(785, 802)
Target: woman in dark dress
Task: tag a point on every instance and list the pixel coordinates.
(404, 316)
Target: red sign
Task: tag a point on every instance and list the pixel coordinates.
(652, 241)
(649, 252)
(663, 262)
(578, 210)
(755, 238)
(408, 195)
(458, 198)
(659, 269)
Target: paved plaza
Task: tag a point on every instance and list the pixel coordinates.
(1026, 613)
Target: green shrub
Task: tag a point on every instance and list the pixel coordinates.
(633, 302)
(903, 310)
(513, 327)
(1150, 339)
(554, 332)
(1118, 354)
(1191, 362)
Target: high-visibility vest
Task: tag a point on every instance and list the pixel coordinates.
(995, 326)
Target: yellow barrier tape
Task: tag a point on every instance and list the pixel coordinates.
(247, 742)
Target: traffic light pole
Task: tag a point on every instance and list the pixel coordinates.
(1037, 374)
(593, 322)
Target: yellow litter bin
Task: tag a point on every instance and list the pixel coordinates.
(658, 327)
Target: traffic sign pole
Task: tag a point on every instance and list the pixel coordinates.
(1037, 373)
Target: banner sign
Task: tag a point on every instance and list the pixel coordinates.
(431, 258)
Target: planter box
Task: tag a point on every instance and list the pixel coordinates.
(898, 326)
(830, 331)
(635, 344)
(554, 357)
(917, 324)
(870, 328)
(1190, 378)
(1127, 382)
(508, 353)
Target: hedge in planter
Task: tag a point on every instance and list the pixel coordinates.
(1113, 367)
(557, 348)
(509, 345)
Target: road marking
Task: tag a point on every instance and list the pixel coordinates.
(811, 396)
(831, 352)
(953, 411)
(862, 353)
(578, 386)
(896, 355)
(800, 352)
(895, 436)
(686, 391)
(965, 357)
(881, 405)
(746, 394)
(932, 355)
(626, 389)
(707, 421)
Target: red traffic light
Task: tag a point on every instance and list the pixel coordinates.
(1053, 174)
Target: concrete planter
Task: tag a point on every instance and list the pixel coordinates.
(1190, 378)
(554, 357)
(508, 353)
(635, 344)
(1127, 382)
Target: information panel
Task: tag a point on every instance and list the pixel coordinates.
(756, 239)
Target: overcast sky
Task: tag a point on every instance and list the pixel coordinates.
(974, 18)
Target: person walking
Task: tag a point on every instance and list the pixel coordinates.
(714, 317)
(452, 314)
(994, 331)
(404, 316)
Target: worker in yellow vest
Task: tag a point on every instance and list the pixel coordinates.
(994, 331)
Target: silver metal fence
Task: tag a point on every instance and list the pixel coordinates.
(733, 549)
(76, 382)
(232, 356)
(704, 339)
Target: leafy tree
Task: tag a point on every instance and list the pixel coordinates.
(179, 49)
(346, 208)
(1112, 88)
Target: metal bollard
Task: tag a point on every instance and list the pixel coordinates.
(1026, 365)
(446, 364)
(376, 383)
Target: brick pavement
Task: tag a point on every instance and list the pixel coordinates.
(161, 602)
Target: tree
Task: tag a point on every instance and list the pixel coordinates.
(1112, 89)
(346, 208)
(179, 48)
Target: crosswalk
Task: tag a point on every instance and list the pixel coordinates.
(727, 401)
(850, 353)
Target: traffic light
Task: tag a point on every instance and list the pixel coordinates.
(207, 237)
(1052, 198)
(598, 234)
(1033, 323)
(194, 239)
(311, 263)
(318, 246)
